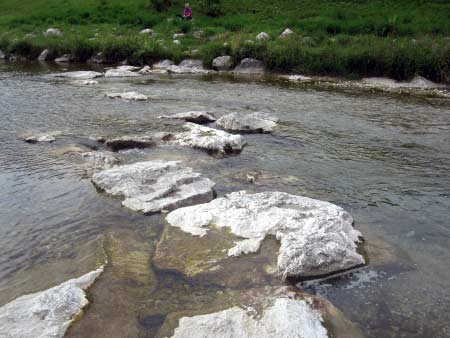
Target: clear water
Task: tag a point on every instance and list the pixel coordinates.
(384, 158)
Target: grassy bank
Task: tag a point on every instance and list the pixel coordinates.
(399, 39)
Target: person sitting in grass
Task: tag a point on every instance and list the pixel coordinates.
(187, 14)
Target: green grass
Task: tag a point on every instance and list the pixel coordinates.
(396, 38)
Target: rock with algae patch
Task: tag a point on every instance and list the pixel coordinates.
(47, 313)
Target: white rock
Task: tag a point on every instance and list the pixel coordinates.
(2, 55)
(250, 66)
(209, 139)
(285, 318)
(200, 117)
(120, 72)
(222, 63)
(66, 58)
(317, 238)
(147, 31)
(128, 96)
(286, 33)
(299, 78)
(40, 138)
(80, 75)
(178, 35)
(164, 64)
(85, 82)
(52, 32)
(46, 314)
(188, 66)
(418, 82)
(145, 70)
(263, 36)
(177, 42)
(44, 55)
(128, 68)
(249, 123)
(152, 186)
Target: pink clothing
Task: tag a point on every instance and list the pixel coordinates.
(187, 12)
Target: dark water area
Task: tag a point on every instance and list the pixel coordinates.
(384, 158)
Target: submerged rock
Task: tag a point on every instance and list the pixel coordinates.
(222, 63)
(128, 96)
(152, 186)
(81, 75)
(120, 72)
(47, 313)
(250, 66)
(99, 160)
(250, 123)
(209, 139)
(200, 117)
(317, 238)
(130, 142)
(297, 78)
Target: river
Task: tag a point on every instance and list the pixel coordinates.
(385, 158)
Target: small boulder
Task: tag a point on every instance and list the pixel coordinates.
(40, 138)
(178, 35)
(188, 66)
(199, 117)
(129, 142)
(249, 123)
(209, 139)
(162, 65)
(44, 55)
(2, 55)
(177, 42)
(263, 36)
(66, 58)
(52, 32)
(286, 33)
(134, 96)
(222, 63)
(250, 66)
(299, 78)
(146, 70)
(120, 72)
(147, 31)
(153, 186)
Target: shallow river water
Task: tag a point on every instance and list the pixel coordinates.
(384, 158)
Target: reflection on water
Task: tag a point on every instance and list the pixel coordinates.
(383, 158)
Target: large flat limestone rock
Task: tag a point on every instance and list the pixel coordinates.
(317, 238)
(152, 186)
(209, 139)
(47, 313)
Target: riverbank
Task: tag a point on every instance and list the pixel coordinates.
(392, 39)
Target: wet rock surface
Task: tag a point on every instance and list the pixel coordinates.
(80, 75)
(130, 96)
(200, 117)
(152, 186)
(120, 72)
(47, 313)
(129, 142)
(248, 123)
(209, 139)
(250, 66)
(317, 238)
